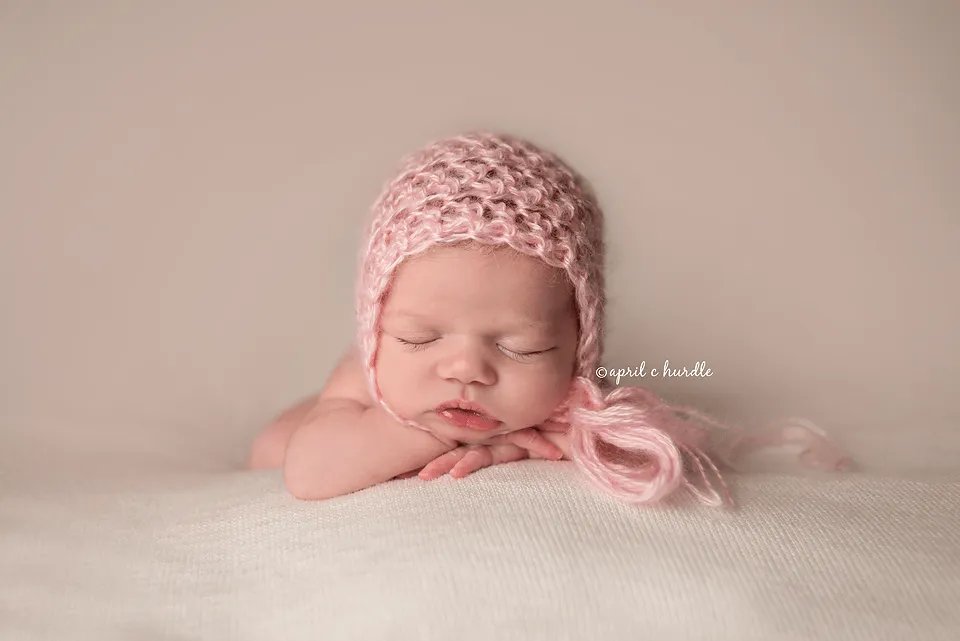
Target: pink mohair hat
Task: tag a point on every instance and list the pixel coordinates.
(499, 189)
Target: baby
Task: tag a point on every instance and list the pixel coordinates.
(475, 344)
(480, 309)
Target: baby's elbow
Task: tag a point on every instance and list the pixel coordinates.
(305, 490)
(306, 484)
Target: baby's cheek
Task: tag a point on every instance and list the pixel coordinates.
(398, 383)
(537, 397)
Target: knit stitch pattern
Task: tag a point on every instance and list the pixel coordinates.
(493, 189)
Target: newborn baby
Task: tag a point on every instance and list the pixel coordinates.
(480, 325)
(478, 344)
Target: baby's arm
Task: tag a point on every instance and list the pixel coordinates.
(348, 447)
(343, 441)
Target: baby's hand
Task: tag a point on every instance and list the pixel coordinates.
(532, 439)
(503, 448)
(467, 459)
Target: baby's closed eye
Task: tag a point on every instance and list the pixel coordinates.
(416, 344)
(514, 351)
(524, 355)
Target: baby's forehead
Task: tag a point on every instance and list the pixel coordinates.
(482, 281)
(520, 321)
(482, 267)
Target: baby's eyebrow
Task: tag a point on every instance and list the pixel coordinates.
(404, 313)
(520, 323)
(407, 314)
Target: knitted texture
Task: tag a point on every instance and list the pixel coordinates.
(498, 189)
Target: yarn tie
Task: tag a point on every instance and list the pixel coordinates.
(633, 444)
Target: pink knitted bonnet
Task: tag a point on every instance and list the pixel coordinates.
(494, 190)
(500, 189)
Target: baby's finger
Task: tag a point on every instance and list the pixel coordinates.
(474, 460)
(554, 426)
(532, 440)
(508, 454)
(442, 464)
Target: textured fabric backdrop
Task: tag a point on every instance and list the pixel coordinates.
(520, 551)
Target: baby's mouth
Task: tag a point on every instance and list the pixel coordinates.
(457, 409)
(467, 418)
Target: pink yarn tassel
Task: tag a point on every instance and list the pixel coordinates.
(663, 448)
(819, 451)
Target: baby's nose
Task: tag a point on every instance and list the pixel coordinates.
(468, 366)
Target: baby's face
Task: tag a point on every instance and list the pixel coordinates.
(496, 328)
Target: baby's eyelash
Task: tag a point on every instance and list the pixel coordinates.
(414, 346)
(523, 356)
(518, 356)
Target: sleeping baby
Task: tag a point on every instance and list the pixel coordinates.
(480, 320)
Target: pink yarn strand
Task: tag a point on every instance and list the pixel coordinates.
(665, 439)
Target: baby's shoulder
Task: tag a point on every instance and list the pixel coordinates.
(348, 381)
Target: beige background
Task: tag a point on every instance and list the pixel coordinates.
(182, 188)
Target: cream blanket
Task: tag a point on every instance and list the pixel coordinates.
(521, 551)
